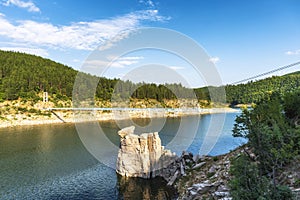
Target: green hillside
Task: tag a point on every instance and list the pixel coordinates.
(25, 76)
(254, 92)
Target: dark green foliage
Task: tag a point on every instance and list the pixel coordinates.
(248, 184)
(274, 142)
(268, 133)
(254, 92)
(292, 105)
(281, 192)
(23, 75)
(22, 110)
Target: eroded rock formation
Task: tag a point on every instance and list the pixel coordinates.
(141, 155)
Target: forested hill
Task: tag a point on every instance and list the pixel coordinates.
(253, 92)
(25, 76)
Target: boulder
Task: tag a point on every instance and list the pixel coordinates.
(212, 169)
(199, 165)
(141, 156)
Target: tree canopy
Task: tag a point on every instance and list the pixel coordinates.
(274, 140)
(24, 76)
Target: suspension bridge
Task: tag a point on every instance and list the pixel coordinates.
(182, 110)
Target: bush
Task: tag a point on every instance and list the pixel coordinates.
(246, 182)
(282, 193)
(22, 110)
(33, 110)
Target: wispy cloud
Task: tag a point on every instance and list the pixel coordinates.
(78, 35)
(176, 67)
(34, 51)
(30, 6)
(76, 60)
(115, 63)
(296, 52)
(149, 3)
(214, 60)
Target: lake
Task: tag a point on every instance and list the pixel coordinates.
(51, 162)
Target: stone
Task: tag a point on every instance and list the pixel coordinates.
(141, 156)
(190, 188)
(196, 158)
(185, 155)
(212, 169)
(226, 162)
(182, 169)
(193, 193)
(221, 194)
(202, 187)
(126, 131)
(222, 188)
(173, 179)
(199, 165)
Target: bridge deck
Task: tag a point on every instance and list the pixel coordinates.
(129, 109)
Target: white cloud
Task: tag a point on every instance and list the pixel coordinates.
(30, 6)
(296, 52)
(34, 51)
(112, 41)
(115, 63)
(79, 35)
(214, 60)
(111, 57)
(76, 60)
(149, 3)
(176, 67)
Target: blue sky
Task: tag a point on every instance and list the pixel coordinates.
(242, 37)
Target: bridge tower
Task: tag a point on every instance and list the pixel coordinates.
(45, 99)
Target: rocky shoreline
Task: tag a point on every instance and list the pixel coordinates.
(194, 176)
(203, 177)
(207, 177)
(23, 119)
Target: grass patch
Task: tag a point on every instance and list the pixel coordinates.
(297, 183)
(210, 174)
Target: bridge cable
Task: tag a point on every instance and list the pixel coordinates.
(266, 73)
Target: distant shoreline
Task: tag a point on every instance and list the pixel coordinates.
(69, 116)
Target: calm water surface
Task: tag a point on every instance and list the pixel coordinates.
(50, 162)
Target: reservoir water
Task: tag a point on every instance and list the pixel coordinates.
(50, 161)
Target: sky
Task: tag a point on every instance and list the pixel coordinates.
(241, 37)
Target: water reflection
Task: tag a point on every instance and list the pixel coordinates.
(137, 188)
(50, 161)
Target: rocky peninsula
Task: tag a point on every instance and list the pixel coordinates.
(143, 156)
(194, 176)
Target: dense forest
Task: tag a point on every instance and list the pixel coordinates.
(273, 133)
(254, 92)
(25, 76)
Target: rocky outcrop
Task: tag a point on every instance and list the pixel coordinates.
(142, 155)
(206, 177)
(194, 176)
